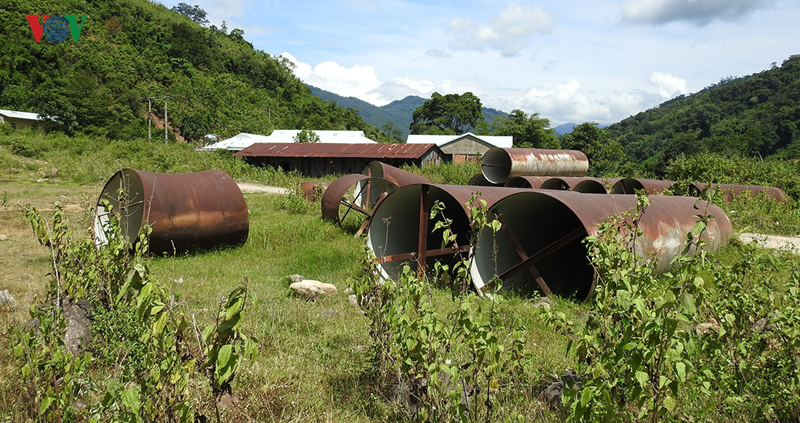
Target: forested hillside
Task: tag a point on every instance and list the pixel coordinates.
(130, 50)
(754, 116)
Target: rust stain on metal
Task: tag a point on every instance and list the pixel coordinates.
(398, 233)
(549, 225)
(368, 192)
(527, 181)
(649, 186)
(500, 164)
(187, 211)
(395, 175)
(313, 190)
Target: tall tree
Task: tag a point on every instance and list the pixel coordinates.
(194, 13)
(605, 155)
(529, 131)
(449, 114)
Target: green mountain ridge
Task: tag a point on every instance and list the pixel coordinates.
(397, 112)
(752, 116)
(130, 50)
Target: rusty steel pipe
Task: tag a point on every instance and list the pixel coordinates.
(479, 180)
(338, 200)
(312, 190)
(732, 191)
(572, 183)
(395, 175)
(527, 181)
(499, 164)
(649, 186)
(186, 211)
(540, 243)
(399, 232)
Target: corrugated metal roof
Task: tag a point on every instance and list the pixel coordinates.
(366, 151)
(244, 140)
(500, 141)
(19, 115)
(325, 137)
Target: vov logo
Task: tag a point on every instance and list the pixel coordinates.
(56, 28)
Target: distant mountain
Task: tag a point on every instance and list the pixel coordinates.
(565, 128)
(398, 112)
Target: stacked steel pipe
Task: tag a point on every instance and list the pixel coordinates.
(500, 164)
(545, 252)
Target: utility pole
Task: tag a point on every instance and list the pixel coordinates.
(149, 121)
(166, 124)
(149, 111)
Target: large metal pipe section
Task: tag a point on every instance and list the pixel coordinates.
(312, 190)
(572, 183)
(499, 164)
(595, 185)
(732, 191)
(527, 181)
(403, 232)
(186, 211)
(396, 176)
(649, 186)
(540, 244)
(479, 180)
(353, 193)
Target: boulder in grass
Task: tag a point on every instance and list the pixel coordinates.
(7, 302)
(310, 289)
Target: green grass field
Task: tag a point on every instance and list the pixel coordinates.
(315, 361)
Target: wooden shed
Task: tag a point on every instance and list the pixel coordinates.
(315, 159)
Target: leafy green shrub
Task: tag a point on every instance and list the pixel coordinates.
(708, 167)
(448, 173)
(144, 334)
(452, 364)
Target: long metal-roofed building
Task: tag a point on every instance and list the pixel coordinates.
(316, 159)
(19, 120)
(464, 147)
(243, 140)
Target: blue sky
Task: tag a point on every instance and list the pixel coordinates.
(569, 61)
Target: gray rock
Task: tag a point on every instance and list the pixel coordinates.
(706, 328)
(544, 304)
(553, 392)
(3, 237)
(348, 291)
(570, 380)
(311, 289)
(353, 300)
(330, 313)
(7, 302)
(761, 324)
(78, 333)
(296, 278)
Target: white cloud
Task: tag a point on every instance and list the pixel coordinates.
(669, 85)
(358, 81)
(569, 102)
(508, 32)
(697, 12)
